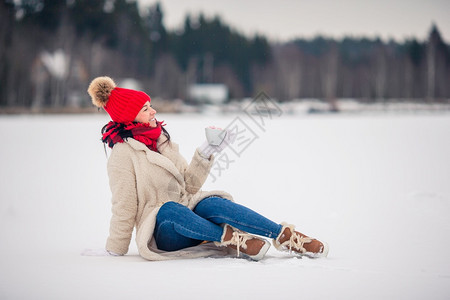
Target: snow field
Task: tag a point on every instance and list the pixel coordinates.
(375, 187)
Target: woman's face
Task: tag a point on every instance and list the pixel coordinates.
(146, 115)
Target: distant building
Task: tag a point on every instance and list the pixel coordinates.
(130, 83)
(208, 93)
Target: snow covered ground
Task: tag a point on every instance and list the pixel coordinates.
(375, 187)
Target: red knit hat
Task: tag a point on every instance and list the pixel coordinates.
(121, 104)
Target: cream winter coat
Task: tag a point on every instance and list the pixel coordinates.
(141, 181)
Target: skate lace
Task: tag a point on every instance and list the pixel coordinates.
(296, 241)
(239, 239)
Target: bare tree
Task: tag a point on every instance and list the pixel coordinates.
(431, 64)
(167, 79)
(380, 72)
(289, 71)
(329, 74)
(225, 74)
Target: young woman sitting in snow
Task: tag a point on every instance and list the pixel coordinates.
(155, 190)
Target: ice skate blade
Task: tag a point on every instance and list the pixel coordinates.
(260, 254)
(324, 253)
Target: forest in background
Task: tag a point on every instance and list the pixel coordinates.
(51, 50)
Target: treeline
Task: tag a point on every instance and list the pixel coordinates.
(365, 69)
(51, 49)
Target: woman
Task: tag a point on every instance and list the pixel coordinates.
(157, 192)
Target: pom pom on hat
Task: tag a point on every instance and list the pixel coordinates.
(121, 104)
(100, 90)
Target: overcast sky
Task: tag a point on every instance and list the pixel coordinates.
(281, 20)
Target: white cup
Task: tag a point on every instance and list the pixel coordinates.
(215, 136)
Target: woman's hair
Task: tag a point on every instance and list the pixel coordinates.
(166, 133)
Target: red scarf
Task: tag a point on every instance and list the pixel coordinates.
(118, 132)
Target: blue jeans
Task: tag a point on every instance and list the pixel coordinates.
(178, 227)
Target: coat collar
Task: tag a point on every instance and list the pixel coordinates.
(160, 159)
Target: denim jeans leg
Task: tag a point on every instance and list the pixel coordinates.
(178, 227)
(219, 210)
